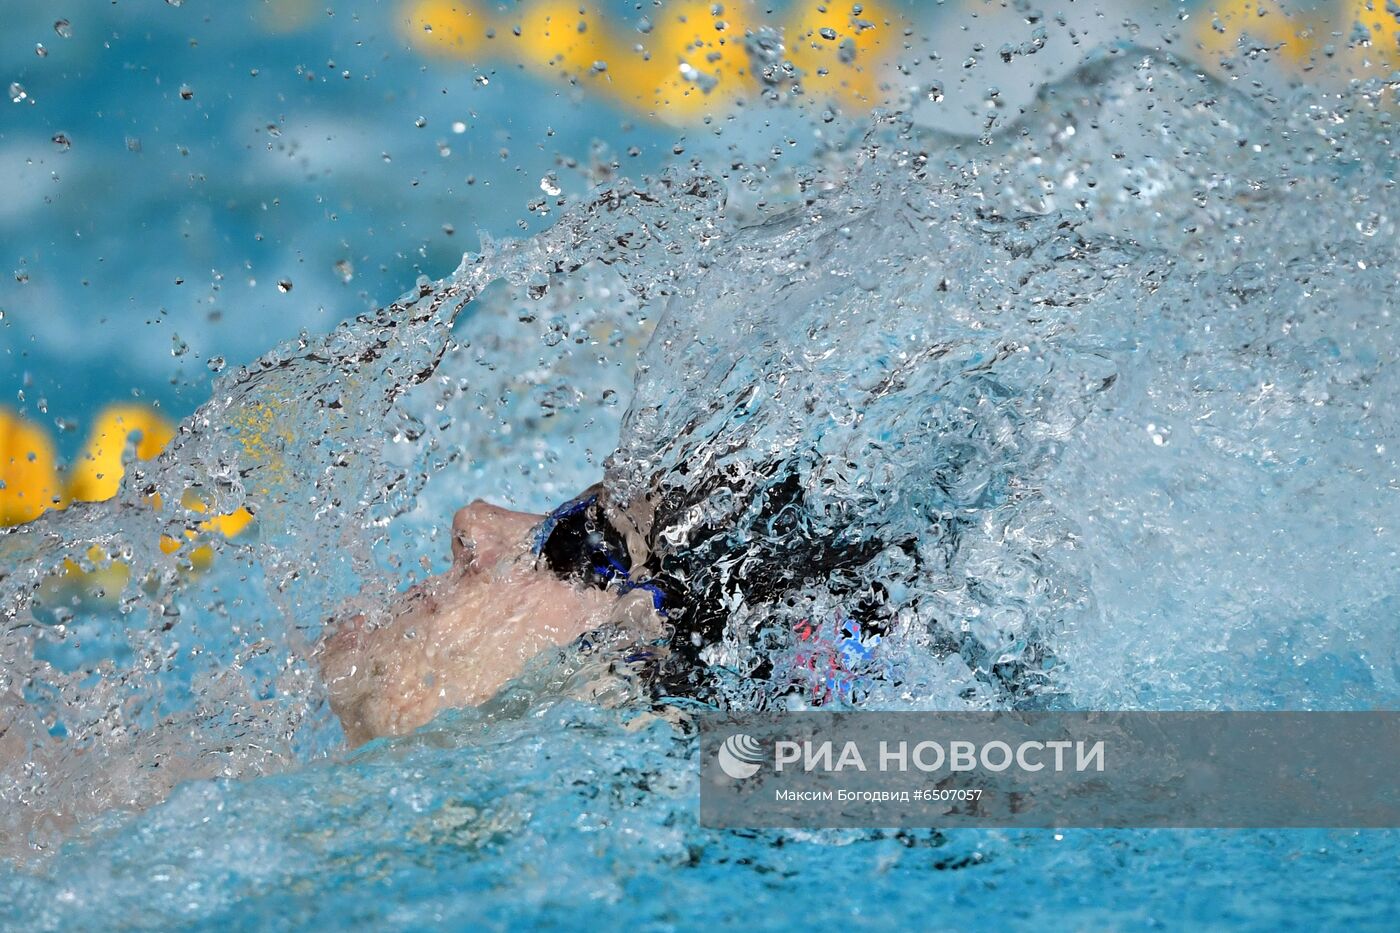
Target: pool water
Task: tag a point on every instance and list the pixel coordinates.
(1114, 372)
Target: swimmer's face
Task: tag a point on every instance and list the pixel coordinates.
(455, 639)
(483, 533)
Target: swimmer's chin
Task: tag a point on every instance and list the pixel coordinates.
(456, 639)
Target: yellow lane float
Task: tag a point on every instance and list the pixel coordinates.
(686, 61)
(1222, 27)
(1365, 34)
(1381, 20)
(31, 483)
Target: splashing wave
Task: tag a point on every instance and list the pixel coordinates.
(1093, 413)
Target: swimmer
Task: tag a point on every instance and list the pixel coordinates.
(457, 638)
(666, 572)
(520, 584)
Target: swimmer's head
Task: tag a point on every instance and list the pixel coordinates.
(736, 560)
(710, 544)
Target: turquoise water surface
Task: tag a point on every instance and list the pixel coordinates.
(1114, 356)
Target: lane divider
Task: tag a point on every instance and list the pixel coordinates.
(687, 59)
(1365, 34)
(32, 483)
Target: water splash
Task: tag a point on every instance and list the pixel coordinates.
(1090, 418)
(216, 676)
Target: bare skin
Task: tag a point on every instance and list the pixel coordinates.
(457, 638)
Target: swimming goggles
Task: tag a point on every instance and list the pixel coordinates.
(577, 542)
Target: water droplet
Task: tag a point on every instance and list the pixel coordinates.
(459, 127)
(1370, 225)
(178, 347)
(284, 285)
(216, 364)
(828, 33)
(421, 122)
(550, 185)
(186, 92)
(62, 141)
(345, 270)
(483, 80)
(63, 28)
(935, 93)
(40, 51)
(17, 92)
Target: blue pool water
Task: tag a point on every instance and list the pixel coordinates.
(297, 157)
(1119, 372)
(478, 827)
